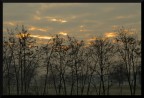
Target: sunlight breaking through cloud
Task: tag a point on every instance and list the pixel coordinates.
(54, 19)
(21, 35)
(110, 34)
(45, 37)
(41, 37)
(43, 30)
(63, 33)
(63, 21)
(58, 20)
(89, 41)
(78, 20)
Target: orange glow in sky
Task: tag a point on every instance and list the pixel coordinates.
(110, 34)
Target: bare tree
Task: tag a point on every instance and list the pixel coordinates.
(9, 59)
(129, 50)
(104, 51)
(23, 59)
(65, 66)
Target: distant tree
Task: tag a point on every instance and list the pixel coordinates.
(118, 74)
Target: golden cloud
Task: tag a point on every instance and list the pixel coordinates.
(41, 37)
(22, 35)
(43, 30)
(34, 35)
(124, 17)
(89, 42)
(32, 28)
(82, 30)
(45, 37)
(110, 34)
(10, 23)
(58, 20)
(63, 33)
(54, 19)
(63, 21)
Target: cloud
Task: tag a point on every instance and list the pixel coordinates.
(110, 34)
(88, 41)
(45, 37)
(94, 18)
(63, 33)
(33, 28)
(84, 30)
(126, 16)
(50, 6)
(12, 23)
(130, 32)
(58, 20)
(41, 37)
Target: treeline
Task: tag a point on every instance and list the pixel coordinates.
(66, 66)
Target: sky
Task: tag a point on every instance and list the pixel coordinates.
(81, 20)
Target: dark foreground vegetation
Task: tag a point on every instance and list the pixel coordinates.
(67, 66)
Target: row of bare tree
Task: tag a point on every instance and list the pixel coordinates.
(65, 66)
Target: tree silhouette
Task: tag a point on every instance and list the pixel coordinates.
(65, 66)
(129, 51)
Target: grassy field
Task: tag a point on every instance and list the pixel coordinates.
(114, 90)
